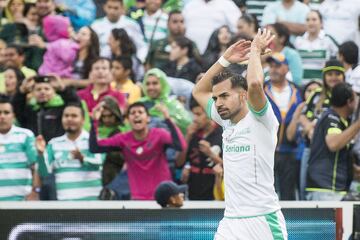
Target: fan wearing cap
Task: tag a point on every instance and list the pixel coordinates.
(45, 107)
(169, 194)
(319, 101)
(329, 168)
(284, 97)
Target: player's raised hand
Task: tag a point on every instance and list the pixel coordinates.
(262, 39)
(40, 144)
(238, 52)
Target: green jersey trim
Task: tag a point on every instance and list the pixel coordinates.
(274, 225)
(208, 107)
(261, 112)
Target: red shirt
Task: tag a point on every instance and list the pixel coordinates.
(93, 99)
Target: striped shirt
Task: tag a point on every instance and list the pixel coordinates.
(155, 24)
(315, 53)
(17, 154)
(256, 7)
(74, 181)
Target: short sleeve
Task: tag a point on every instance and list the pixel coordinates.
(31, 151)
(212, 112)
(266, 116)
(332, 126)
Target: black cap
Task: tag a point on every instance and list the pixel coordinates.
(167, 189)
(42, 79)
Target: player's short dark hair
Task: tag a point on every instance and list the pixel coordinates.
(77, 105)
(237, 81)
(350, 51)
(137, 104)
(341, 94)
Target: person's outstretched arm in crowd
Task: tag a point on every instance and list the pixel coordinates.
(176, 140)
(237, 52)
(337, 141)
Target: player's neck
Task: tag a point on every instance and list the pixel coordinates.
(241, 114)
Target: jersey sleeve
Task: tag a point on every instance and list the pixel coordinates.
(212, 112)
(332, 125)
(266, 116)
(30, 149)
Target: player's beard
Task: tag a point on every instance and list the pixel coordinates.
(230, 114)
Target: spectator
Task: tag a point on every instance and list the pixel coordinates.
(14, 10)
(294, 132)
(3, 19)
(114, 174)
(121, 71)
(348, 56)
(316, 104)
(315, 47)
(247, 26)
(182, 63)
(61, 51)
(153, 21)
(290, 13)
(13, 79)
(89, 49)
(157, 90)
(219, 41)
(256, 8)
(45, 7)
(45, 107)
(329, 164)
(77, 170)
(143, 149)
(170, 195)
(341, 18)
(114, 18)
(101, 77)
(203, 153)
(159, 51)
(282, 44)
(122, 45)
(15, 57)
(284, 98)
(214, 14)
(20, 180)
(80, 12)
(31, 18)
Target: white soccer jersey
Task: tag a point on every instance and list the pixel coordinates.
(74, 181)
(315, 53)
(248, 154)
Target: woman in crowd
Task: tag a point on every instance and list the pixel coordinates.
(247, 26)
(13, 79)
(219, 41)
(89, 49)
(315, 46)
(122, 45)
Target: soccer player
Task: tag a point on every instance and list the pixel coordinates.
(240, 106)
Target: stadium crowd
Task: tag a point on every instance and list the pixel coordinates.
(96, 97)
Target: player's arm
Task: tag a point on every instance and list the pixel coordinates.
(237, 52)
(255, 75)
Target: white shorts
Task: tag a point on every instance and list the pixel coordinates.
(266, 227)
